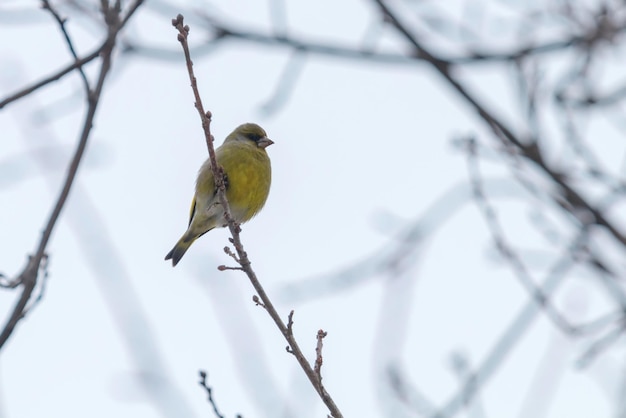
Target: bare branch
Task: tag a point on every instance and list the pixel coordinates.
(244, 261)
(28, 277)
(209, 392)
(220, 31)
(601, 344)
(54, 77)
(526, 146)
(61, 21)
(505, 249)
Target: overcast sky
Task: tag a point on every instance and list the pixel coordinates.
(362, 152)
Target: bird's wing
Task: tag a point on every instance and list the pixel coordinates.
(192, 211)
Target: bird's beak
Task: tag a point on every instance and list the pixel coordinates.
(264, 143)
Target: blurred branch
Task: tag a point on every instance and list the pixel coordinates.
(580, 252)
(79, 62)
(245, 343)
(47, 6)
(407, 393)
(286, 83)
(209, 392)
(495, 357)
(221, 30)
(506, 250)
(603, 99)
(601, 344)
(243, 260)
(527, 147)
(54, 77)
(461, 366)
(28, 277)
(399, 254)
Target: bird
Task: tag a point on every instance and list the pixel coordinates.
(247, 178)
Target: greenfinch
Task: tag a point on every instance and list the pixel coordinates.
(248, 175)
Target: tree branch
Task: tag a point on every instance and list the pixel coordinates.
(527, 147)
(244, 261)
(28, 277)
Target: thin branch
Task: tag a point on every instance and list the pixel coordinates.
(234, 228)
(510, 338)
(223, 267)
(319, 360)
(228, 251)
(286, 82)
(209, 392)
(506, 250)
(79, 63)
(461, 366)
(406, 392)
(61, 22)
(604, 99)
(54, 77)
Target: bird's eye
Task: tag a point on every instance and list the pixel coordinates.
(254, 137)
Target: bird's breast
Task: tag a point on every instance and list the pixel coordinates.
(249, 179)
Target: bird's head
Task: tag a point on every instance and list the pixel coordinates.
(250, 132)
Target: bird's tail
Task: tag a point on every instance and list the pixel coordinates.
(179, 249)
(183, 245)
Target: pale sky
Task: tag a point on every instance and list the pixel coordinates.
(362, 152)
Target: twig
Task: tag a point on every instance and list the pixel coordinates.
(228, 251)
(47, 6)
(321, 334)
(209, 392)
(54, 77)
(289, 329)
(79, 63)
(224, 268)
(183, 32)
(290, 321)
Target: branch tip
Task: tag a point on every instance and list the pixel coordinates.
(290, 322)
(319, 360)
(177, 20)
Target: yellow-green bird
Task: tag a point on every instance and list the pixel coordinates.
(248, 177)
